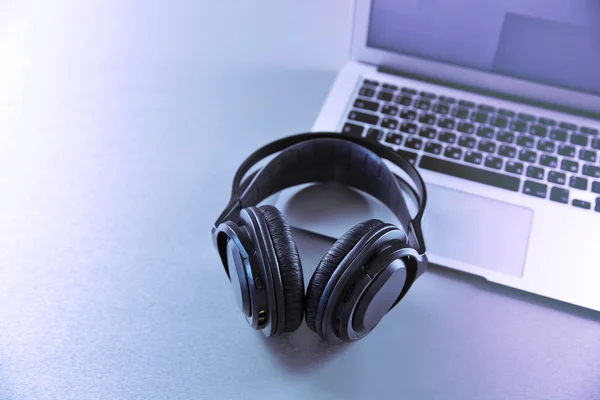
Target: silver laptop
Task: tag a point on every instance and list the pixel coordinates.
(497, 104)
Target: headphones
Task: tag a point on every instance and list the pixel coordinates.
(366, 272)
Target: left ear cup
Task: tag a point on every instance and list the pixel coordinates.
(290, 266)
(330, 262)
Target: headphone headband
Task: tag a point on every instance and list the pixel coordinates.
(258, 186)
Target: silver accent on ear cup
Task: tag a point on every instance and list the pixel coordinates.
(379, 297)
(368, 287)
(268, 271)
(242, 269)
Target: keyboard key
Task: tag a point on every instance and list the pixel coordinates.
(427, 119)
(408, 156)
(353, 130)
(526, 117)
(546, 121)
(479, 116)
(580, 140)
(538, 130)
(473, 157)
(404, 100)
(596, 187)
(558, 134)
(507, 151)
(441, 108)
(546, 146)
(413, 143)
(465, 127)
(408, 91)
(427, 132)
(527, 155)
(408, 127)
(466, 103)
(485, 132)
(597, 208)
(366, 104)
(505, 136)
(446, 123)
(578, 182)
(557, 177)
(566, 150)
(363, 117)
(389, 123)
(595, 143)
(514, 167)
(519, 126)
(470, 173)
(506, 113)
(423, 104)
(569, 165)
(453, 152)
(389, 109)
(374, 134)
(493, 162)
(467, 141)
(394, 138)
(535, 172)
(390, 86)
(408, 114)
(587, 155)
(567, 126)
(434, 148)
(460, 112)
(591, 170)
(427, 95)
(548, 161)
(448, 99)
(582, 204)
(366, 92)
(588, 130)
(370, 82)
(559, 195)
(535, 189)
(447, 137)
(487, 146)
(525, 141)
(385, 95)
(499, 122)
(486, 108)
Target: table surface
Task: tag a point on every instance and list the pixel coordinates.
(118, 142)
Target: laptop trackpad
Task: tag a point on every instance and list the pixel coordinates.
(461, 227)
(477, 231)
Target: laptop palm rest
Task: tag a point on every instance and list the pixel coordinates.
(458, 226)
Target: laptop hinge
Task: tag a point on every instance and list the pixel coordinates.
(490, 93)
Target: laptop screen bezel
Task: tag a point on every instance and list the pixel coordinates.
(461, 75)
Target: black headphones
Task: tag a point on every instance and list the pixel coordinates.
(364, 274)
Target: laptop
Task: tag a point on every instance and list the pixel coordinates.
(498, 106)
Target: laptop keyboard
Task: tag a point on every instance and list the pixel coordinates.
(534, 155)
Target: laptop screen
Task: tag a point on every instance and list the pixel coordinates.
(554, 42)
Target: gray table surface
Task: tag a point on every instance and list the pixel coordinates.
(119, 137)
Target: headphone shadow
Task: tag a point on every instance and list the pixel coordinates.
(303, 350)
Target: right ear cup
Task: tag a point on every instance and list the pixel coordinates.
(330, 262)
(290, 266)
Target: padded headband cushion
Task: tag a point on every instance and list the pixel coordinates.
(330, 262)
(329, 160)
(290, 266)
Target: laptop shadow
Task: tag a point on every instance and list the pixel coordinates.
(515, 294)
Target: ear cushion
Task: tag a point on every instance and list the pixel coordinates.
(329, 263)
(290, 266)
